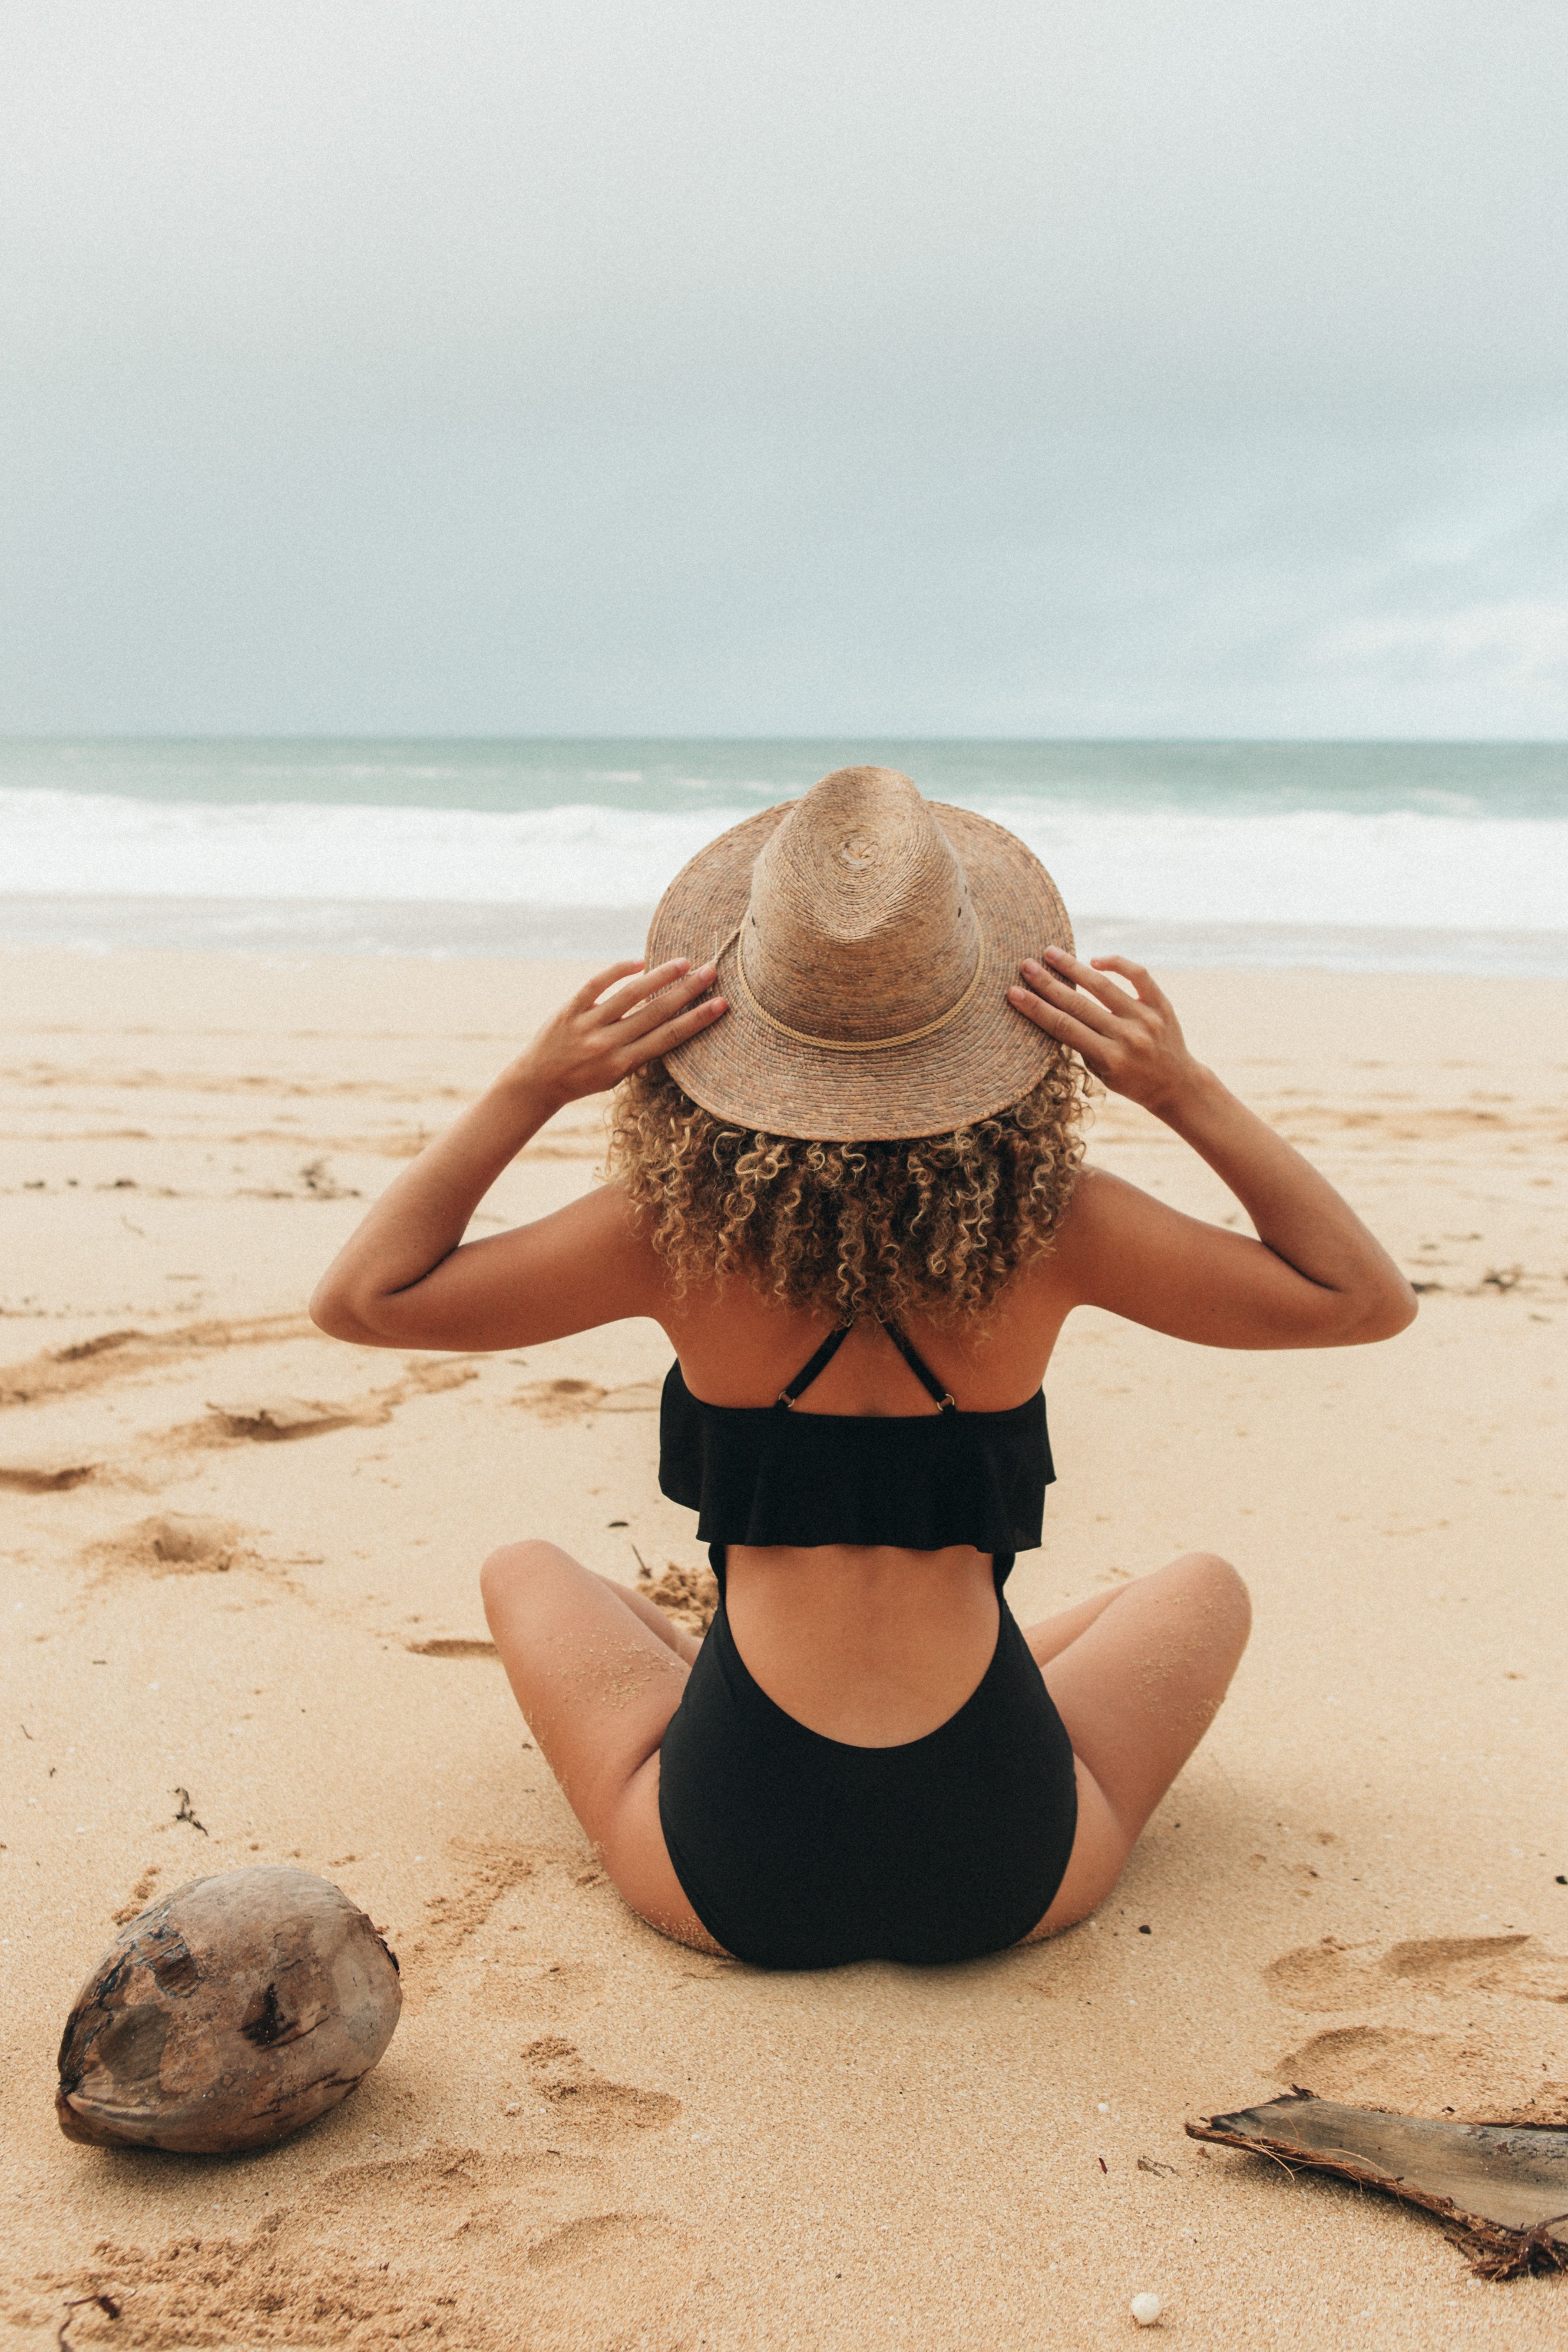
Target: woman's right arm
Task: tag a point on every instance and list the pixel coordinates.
(1314, 1277)
(407, 1278)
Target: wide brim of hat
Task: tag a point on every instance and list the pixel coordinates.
(985, 1057)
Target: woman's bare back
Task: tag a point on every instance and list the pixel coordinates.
(874, 1646)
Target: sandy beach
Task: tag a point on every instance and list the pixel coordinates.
(584, 2138)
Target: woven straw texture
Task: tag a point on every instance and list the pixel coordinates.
(857, 915)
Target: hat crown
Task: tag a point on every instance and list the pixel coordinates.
(860, 928)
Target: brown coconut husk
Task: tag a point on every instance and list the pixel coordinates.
(231, 2014)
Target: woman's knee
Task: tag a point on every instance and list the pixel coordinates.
(512, 1569)
(1219, 1595)
(1214, 1576)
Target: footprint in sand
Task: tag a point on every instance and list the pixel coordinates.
(599, 2238)
(550, 1990)
(174, 1543)
(278, 2284)
(1331, 1975)
(583, 2096)
(268, 1420)
(366, 2256)
(572, 1399)
(494, 1869)
(121, 1355)
(620, 2277)
(1477, 2075)
(616, 2278)
(318, 2273)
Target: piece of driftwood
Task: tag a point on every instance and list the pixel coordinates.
(226, 2016)
(1500, 2190)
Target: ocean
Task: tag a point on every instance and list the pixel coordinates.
(1370, 856)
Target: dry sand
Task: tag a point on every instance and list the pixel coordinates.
(583, 2136)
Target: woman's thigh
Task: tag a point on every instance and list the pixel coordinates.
(1137, 1682)
(598, 1686)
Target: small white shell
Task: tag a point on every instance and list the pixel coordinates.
(1145, 2309)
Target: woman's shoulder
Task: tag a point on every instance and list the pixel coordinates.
(1097, 1210)
(1094, 1224)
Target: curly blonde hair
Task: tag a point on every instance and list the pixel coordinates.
(932, 1226)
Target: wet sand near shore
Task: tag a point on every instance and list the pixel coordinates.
(239, 1562)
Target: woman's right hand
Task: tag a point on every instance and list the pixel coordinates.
(407, 1278)
(604, 1032)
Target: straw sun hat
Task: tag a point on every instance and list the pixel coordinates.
(865, 940)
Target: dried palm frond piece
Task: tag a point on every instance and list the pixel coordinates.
(1501, 2189)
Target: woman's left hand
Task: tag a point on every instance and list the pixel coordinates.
(1130, 1037)
(1314, 1277)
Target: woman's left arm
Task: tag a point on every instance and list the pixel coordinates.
(405, 1278)
(1315, 1277)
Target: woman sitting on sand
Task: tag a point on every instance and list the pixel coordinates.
(845, 1179)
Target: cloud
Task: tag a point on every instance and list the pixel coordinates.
(1517, 646)
(734, 366)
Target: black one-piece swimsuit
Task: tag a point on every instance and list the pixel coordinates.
(800, 1852)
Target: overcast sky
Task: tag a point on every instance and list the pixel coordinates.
(1000, 366)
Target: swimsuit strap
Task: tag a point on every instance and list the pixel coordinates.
(922, 1371)
(819, 1362)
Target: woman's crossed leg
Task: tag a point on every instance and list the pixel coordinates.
(1137, 1676)
(598, 1672)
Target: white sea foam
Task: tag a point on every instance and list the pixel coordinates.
(99, 845)
(1387, 871)
(1399, 868)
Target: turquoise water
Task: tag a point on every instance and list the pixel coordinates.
(1497, 780)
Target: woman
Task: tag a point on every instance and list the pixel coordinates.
(846, 1179)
